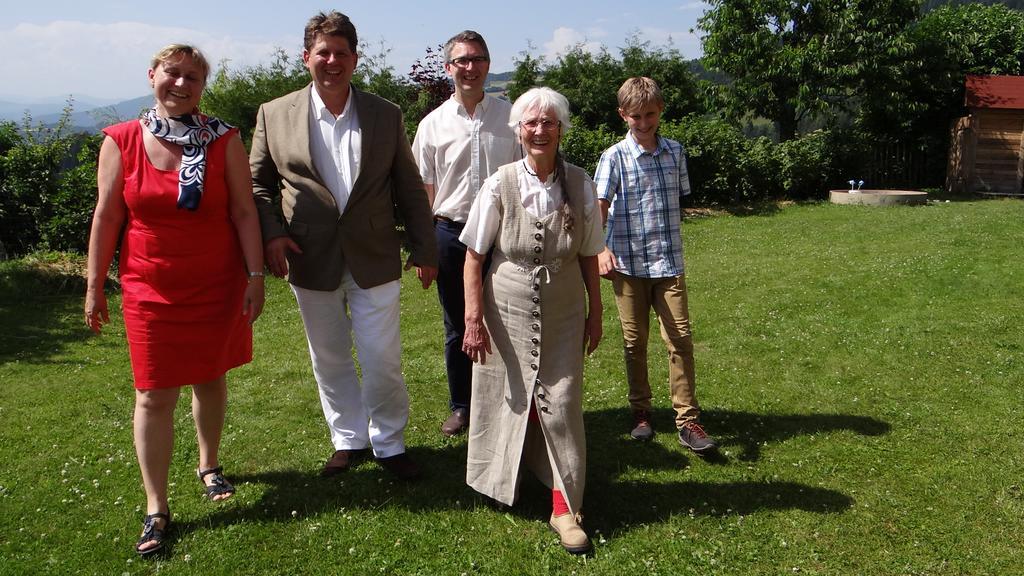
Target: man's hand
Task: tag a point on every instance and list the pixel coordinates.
(275, 253)
(606, 264)
(426, 274)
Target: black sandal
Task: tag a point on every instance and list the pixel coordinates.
(150, 533)
(220, 485)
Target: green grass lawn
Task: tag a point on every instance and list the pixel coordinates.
(860, 367)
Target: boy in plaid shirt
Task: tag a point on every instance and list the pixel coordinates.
(640, 182)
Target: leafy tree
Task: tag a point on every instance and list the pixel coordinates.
(923, 94)
(375, 75)
(955, 41)
(46, 194)
(526, 74)
(590, 81)
(792, 60)
(430, 86)
(235, 95)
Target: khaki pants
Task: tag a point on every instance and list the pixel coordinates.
(635, 297)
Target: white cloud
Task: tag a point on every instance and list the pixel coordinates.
(563, 39)
(102, 60)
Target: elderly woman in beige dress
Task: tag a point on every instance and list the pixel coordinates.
(530, 319)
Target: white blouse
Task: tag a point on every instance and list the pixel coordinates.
(539, 199)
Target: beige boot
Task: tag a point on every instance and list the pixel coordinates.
(572, 537)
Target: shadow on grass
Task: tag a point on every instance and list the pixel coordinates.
(612, 503)
(293, 494)
(750, 431)
(35, 302)
(747, 432)
(612, 453)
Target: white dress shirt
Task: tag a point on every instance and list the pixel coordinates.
(336, 153)
(456, 152)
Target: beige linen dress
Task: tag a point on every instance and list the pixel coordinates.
(534, 309)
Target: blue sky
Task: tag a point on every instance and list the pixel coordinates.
(101, 49)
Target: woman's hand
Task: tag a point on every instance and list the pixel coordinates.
(476, 342)
(96, 314)
(252, 301)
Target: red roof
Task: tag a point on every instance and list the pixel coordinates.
(994, 92)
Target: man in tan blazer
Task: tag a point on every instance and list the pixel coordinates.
(330, 165)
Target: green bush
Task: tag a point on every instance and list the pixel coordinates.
(47, 187)
(805, 165)
(726, 167)
(583, 146)
(69, 214)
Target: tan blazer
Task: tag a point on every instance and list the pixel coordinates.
(292, 199)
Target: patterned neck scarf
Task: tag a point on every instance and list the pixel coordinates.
(193, 132)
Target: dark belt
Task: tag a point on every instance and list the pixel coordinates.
(449, 222)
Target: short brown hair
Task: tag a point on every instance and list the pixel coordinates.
(638, 92)
(171, 50)
(465, 36)
(331, 23)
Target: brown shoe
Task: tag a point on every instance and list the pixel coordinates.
(642, 429)
(571, 536)
(400, 465)
(340, 461)
(456, 423)
(693, 436)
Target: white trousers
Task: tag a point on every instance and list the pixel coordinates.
(375, 412)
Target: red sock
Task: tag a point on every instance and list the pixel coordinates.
(558, 505)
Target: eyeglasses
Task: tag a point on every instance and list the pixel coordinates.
(546, 124)
(464, 61)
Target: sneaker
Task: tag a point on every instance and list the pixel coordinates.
(641, 425)
(693, 436)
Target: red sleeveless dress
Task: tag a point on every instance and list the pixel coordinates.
(183, 277)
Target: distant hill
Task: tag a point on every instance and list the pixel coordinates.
(95, 118)
(500, 76)
(14, 108)
(86, 116)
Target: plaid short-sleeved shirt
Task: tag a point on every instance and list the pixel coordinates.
(643, 190)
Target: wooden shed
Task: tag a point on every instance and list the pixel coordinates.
(986, 152)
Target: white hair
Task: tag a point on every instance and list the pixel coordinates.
(543, 99)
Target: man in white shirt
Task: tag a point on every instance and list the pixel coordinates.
(457, 146)
(330, 164)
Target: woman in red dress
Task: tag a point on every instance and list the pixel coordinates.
(191, 264)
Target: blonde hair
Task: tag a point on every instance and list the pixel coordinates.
(638, 92)
(168, 52)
